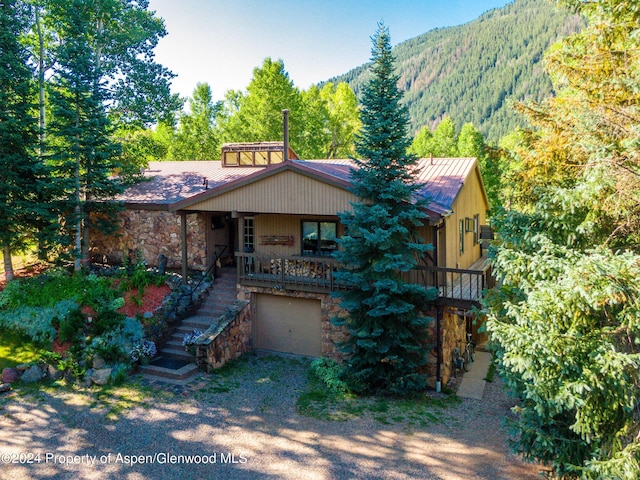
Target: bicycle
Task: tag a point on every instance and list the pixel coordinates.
(469, 354)
(459, 363)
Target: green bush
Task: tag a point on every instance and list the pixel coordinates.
(71, 326)
(328, 371)
(107, 320)
(37, 322)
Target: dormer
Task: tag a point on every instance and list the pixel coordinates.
(258, 154)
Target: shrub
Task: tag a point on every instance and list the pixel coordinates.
(328, 371)
(106, 321)
(71, 326)
(37, 322)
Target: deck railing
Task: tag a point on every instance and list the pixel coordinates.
(288, 273)
(318, 274)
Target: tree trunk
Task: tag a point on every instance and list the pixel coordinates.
(8, 265)
(41, 69)
(77, 263)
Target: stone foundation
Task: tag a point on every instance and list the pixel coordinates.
(150, 233)
(329, 308)
(454, 335)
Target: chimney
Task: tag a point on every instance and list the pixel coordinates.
(285, 153)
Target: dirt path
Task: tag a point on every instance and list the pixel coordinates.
(245, 426)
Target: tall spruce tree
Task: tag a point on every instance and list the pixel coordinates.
(19, 164)
(386, 348)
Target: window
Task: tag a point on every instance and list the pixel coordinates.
(468, 224)
(319, 238)
(249, 235)
(476, 229)
(231, 158)
(462, 236)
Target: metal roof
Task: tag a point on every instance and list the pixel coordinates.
(169, 182)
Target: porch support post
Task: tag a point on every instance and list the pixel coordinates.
(183, 238)
(438, 349)
(241, 232)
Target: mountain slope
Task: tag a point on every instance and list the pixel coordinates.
(471, 72)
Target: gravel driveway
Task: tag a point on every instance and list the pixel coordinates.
(245, 425)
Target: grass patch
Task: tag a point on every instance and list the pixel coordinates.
(16, 348)
(331, 402)
(225, 379)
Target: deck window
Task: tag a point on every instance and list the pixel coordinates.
(319, 238)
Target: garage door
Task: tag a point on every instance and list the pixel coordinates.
(288, 325)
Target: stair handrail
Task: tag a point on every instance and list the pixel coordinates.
(216, 257)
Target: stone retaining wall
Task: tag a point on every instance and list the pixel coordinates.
(152, 233)
(225, 340)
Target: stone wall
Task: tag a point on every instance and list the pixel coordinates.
(151, 233)
(225, 340)
(233, 335)
(329, 308)
(454, 335)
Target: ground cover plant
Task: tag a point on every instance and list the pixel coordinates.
(74, 317)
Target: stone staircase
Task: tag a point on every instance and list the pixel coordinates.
(173, 362)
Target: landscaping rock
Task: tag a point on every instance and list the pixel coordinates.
(86, 381)
(32, 374)
(53, 373)
(10, 375)
(5, 387)
(21, 368)
(98, 362)
(101, 377)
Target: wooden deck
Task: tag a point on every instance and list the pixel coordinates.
(462, 288)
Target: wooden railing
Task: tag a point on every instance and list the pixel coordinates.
(455, 286)
(288, 273)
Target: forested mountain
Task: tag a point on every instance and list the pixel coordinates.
(471, 72)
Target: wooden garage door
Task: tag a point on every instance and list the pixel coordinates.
(288, 325)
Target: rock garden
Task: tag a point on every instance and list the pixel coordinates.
(90, 328)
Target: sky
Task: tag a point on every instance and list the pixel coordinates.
(220, 42)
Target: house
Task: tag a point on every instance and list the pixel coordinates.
(275, 218)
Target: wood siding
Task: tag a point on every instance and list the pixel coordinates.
(285, 193)
(268, 225)
(470, 201)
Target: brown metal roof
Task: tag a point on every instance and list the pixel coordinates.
(168, 183)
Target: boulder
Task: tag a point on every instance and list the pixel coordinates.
(32, 374)
(98, 362)
(10, 375)
(5, 387)
(101, 376)
(53, 373)
(21, 368)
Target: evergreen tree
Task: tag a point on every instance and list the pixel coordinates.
(19, 164)
(386, 347)
(565, 319)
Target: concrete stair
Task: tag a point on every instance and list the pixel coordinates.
(173, 361)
